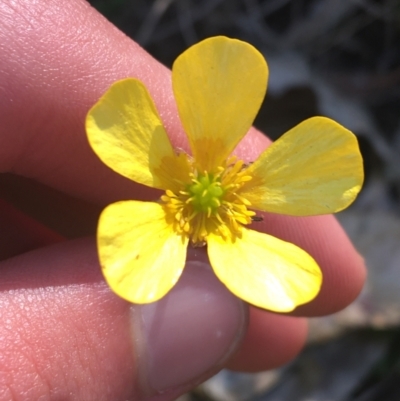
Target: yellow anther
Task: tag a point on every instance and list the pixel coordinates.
(170, 193)
(210, 201)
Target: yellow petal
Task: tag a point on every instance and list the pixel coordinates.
(219, 85)
(140, 254)
(315, 168)
(265, 271)
(126, 132)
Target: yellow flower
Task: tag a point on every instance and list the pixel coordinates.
(210, 196)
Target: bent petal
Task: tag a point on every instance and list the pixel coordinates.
(265, 271)
(219, 85)
(315, 168)
(141, 256)
(126, 132)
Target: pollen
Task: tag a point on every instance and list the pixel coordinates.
(210, 202)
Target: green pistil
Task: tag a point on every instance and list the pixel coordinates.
(205, 193)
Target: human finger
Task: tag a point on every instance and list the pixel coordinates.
(65, 335)
(69, 68)
(66, 162)
(271, 340)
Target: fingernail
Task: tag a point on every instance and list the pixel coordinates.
(187, 335)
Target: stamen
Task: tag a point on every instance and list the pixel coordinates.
(243, 200)
(210, 202)
(245, 178)
(170, 193)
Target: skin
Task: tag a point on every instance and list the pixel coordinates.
(57, 59)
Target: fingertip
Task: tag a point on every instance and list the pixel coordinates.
(271, 341)
(189, 334)
(343, 268)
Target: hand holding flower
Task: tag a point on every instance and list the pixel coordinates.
(64, 333)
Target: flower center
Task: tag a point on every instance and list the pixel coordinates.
(210, 203)
(205, 193)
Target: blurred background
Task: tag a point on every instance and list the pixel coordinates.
(341, 59)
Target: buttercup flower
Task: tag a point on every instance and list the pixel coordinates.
(210, 196)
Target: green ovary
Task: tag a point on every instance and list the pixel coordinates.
(205, 193)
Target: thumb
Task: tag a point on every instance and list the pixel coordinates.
(189, 334)
(65, 335)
